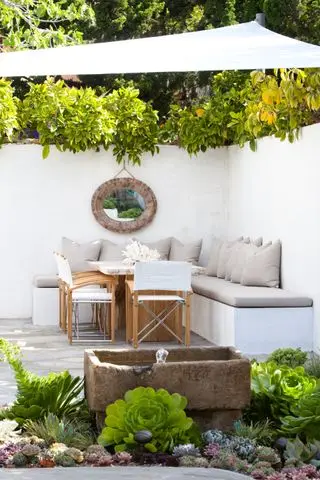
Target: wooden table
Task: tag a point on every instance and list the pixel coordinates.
(126, 272)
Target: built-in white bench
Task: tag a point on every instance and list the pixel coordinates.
(45, 300)
(255, 320)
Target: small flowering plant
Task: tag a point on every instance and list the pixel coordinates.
(136, 251)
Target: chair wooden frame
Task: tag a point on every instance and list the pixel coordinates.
(132, 315)
(80, 280)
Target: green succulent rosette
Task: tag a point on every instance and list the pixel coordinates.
(276, 389)
(147, 409)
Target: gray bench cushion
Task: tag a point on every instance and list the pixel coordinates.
(46, 281)
(237, 295)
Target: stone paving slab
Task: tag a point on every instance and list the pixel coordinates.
(45, 349)
(118, 473)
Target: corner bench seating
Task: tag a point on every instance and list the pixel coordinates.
(255, 320)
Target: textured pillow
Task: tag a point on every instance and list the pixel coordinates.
(212, 266)
(163, 246)
(263, 267)
(111, 252)
(78, 254)
(188, 252)
(225, 254)
(240, 258)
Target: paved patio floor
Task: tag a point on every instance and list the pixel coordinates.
(46, 349)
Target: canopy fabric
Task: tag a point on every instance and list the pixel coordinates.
(246, 46)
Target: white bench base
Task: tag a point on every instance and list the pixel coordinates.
(45, 306)
(253, 331)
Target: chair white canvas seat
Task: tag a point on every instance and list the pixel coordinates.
(162, 277)
(160, 298)
(91, 296)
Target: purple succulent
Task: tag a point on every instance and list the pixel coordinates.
(310, 470)
(105, 460)
(277, 476)
(258, 474)
(122, 458)
(212, 450)
(7, 451)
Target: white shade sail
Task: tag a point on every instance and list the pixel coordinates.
(246, 46)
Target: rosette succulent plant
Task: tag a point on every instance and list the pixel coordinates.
(243, 447)
(186, 450)
(276, 389)
(157, 411)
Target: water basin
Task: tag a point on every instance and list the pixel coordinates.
(215, 380)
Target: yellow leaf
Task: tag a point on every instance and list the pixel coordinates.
(267, 97)
(200, 112)
(268, 117)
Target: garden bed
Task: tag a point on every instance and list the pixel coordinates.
(277, 438)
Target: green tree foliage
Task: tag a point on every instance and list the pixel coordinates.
(295, 18)
(8, 112)
(136, 125)
(70, 118)
(78, 119)
(245, 107)
(43, 23)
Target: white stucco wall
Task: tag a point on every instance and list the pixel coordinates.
(43, 200)
(275, 192)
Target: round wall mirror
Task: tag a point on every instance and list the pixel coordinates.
(124, 205)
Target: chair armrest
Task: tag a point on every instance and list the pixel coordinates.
(129, 284)
(95, 278)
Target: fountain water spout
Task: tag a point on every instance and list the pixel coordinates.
(161, 355)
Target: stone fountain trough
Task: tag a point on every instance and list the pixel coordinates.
(215, 380)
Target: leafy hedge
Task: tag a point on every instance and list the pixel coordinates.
(241, 108)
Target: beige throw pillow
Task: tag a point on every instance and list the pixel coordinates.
(258, 242)
(263, 267)
(188, 252)
(236, 252)
(78, 254)
(111, 252)
(212, 266)
(241, 257)
(224, 256)
(162, 246)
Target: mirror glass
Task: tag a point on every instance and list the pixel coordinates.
(124, 205)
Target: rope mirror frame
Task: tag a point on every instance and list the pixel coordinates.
(107, 188)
